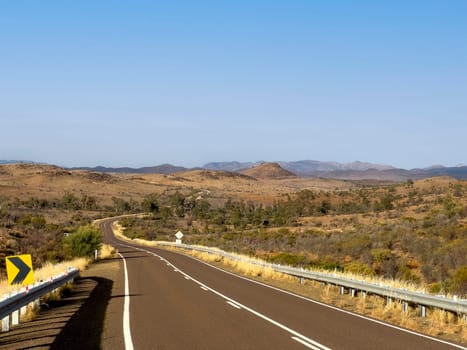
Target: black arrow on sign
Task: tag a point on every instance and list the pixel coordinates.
(23, 270)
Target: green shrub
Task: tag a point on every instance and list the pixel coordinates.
(288, 259)
(459, 281)
(132, 234)
(83, 242)
(359, 268)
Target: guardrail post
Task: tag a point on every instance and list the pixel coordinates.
(15, 318)
(405, 306)
(352, 292)
(363, 294)
(23, 311)
(388, 300)
(422, 311)
(6, 324)
(341, 290)
(301, 280)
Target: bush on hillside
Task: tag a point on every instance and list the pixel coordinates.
(83, 242)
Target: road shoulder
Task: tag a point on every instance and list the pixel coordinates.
(89, 317)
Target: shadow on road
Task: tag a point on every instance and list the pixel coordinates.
(84, 329)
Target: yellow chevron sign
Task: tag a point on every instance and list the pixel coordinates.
(19, 269)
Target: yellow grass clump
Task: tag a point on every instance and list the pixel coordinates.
(118, 231)
(107, 251)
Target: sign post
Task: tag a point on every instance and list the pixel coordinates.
(179, 236)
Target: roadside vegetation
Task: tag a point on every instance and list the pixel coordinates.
(412, 232)
(415, 232)
(446, 325)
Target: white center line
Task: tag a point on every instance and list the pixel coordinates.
(310, 346)
(234, 305)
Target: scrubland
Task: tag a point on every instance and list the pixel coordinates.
(413, 233)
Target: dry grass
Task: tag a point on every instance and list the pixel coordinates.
(107, 251)
(242, 267)
(118, 232)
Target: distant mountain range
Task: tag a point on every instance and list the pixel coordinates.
(15, 161)
(159, 169)
(304, 168)
(301, 167)
(349, 171)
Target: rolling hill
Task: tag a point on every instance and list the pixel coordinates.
(268, 171)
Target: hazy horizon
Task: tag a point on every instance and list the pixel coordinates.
(144, 83)
(222, 161)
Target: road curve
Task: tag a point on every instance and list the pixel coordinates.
(177, 302)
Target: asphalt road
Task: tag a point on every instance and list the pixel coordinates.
(177, 302)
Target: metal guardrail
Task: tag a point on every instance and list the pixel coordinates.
(458, 306)
(14, 303)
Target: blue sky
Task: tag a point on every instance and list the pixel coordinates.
(138, 83)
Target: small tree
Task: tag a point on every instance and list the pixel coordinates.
(70, 202)
(150, 203)
(83, 242)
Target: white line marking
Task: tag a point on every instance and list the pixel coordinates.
(204, 288)
(312, 301)
(187, 278)
(126, 310)
(234, 305)
(329, 306)
(310, 346)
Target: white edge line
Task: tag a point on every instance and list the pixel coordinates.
(126, 310)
